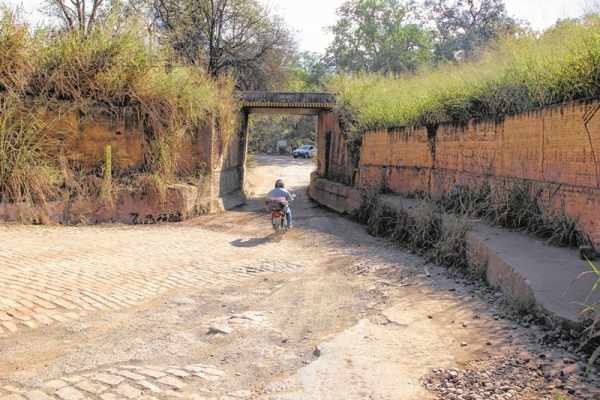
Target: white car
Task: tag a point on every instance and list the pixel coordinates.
(305, 151)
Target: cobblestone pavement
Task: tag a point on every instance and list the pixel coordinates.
(61, 274)
(121, 382)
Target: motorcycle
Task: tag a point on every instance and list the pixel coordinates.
(278, 215)
(278, 218)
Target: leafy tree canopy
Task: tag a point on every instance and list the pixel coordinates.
(379, 36)
(464, 26)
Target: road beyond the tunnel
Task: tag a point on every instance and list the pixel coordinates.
(219, 308)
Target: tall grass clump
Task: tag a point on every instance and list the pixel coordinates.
(16, 48)
(27, 172)
(119, 70)
(514, 75)
(451, 248)
(423, 230)
(369, 204)
(522, 207)
(592, 309)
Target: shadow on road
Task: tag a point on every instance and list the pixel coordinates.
(252, 242)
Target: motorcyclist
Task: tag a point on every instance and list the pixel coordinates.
(282, 196)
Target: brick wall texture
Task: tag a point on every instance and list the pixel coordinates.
(556, 149)
(211, 154)
(81, 139)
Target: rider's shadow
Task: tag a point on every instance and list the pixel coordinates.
(253, 242)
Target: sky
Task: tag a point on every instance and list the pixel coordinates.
(309, 18)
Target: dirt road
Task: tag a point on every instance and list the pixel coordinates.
(218, 308)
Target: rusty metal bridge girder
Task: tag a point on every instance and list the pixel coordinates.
(287, 100)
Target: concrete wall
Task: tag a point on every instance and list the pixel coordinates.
(337, 196)
(557, 149)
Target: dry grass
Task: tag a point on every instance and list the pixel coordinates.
(424, 227)
(424, 230)
(593, 310)
(463, 200)
(16, 47)
(519, 207)
(451, 248)
(513, 76)
(112, 72)
(368, 204)
(383, 221)
(437, 229)
(27, 172)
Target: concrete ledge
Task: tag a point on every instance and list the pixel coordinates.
(229, 201)
(341, 198)
(533, 274)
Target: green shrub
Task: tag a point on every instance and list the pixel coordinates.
(513, 76)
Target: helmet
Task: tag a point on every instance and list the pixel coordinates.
(279, 184)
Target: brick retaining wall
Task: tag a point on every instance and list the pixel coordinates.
(557, 148)
(209, 154)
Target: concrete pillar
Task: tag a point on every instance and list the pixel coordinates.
(327, 126)
(243, 157)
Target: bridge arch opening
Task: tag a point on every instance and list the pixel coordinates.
(318, 106)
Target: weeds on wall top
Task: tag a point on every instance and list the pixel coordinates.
(114, 72)
(515, 75)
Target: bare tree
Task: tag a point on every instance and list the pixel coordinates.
(591, 7)
(226, 36)
(83, 15)
(78, 14)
